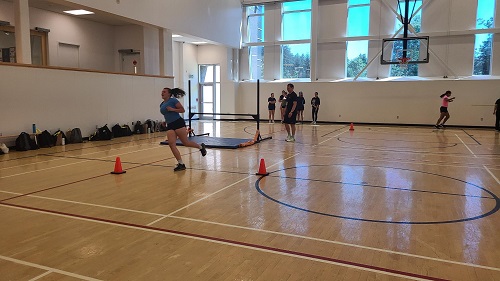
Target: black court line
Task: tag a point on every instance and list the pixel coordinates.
(77, 181)
(492, 211)
(371, 145)
(384, 187)
(471, 137)
(341, 128)
(360, 266)
(150, 164)
(392, 140)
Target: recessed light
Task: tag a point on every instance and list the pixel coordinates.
(79, 12)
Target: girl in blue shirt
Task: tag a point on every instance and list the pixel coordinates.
(170, 107)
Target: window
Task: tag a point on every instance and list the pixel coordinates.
(255, 23)
(296, 61)
(8, 46)
(416, 22)
(296, 20)
(483, 42)
(256, 62)
(296, 25)
(358, 24)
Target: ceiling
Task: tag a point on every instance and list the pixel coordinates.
(99, 16)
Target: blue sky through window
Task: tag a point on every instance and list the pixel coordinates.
(297, 24)
(485, 11)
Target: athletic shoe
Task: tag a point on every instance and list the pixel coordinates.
(290, 139)
(180, 167)
(441, 126)
(203, 150)
(437, 126)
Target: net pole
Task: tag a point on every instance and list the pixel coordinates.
(258, 104)
(189, 105)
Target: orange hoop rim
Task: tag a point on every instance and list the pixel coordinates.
(403, 62)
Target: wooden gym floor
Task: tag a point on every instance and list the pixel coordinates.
(376, 203)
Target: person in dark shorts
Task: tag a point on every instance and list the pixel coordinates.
(290, 117)
(170, 107)
(497, 113)
(444, 109)
(271, 106)
(315, 102)
(300, 108)
(282, 101)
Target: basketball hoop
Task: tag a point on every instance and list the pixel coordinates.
(403, 62)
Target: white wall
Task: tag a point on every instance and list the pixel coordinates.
(59, 99)
(415, 102)
(218, 21)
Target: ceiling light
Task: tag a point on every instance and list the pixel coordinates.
(176, 35)
(79, 12)
(199, 43)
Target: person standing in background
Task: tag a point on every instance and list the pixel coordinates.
(315, 102)
(282, 101)
(290, 113)
(497, 113)
(300, 108)
(271, 106)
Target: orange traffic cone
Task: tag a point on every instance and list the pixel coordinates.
(118, 167)
(352, 127)
(262, 168)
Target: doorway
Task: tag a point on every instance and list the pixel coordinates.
(209, 85)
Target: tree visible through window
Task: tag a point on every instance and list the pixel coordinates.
(296, 25)
(483, 44)
(296, 61)
(358, 23)
(416, 22)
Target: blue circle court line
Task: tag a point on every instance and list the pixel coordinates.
(492, 211)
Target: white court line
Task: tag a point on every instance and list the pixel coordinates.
(487, 170)
(65, 165)
(466, 146)
(85, 204)
(271, 232)
(201, 239)
(62, 158)
(341, 243)
(48, 268)
(224, 188)
(40, 276)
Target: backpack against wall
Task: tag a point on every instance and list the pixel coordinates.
(103, 133)
(74, 136)
(117, 131)
(45, 139)
(138, 128)
(126, 131)
(24, 142)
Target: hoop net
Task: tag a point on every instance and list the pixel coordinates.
(403, 62)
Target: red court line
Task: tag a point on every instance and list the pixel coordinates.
(256, 246)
